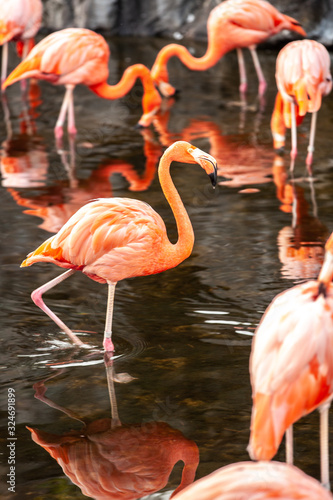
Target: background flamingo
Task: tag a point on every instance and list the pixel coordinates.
(291, 365)
(115, 238)
(19, 21)
(72, 56)
(254, 481)
(233, 24)
(303, 77)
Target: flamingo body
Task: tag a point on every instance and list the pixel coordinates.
(116, 238)
(233, 24)
(80, 56)
(19, 19)
(291, 363)
(110, 239)
(303, 77)
(255, 481)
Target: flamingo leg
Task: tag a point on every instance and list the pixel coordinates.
(309, 157)
(71, 116)
(261, 78)
(107, 343)
(37, 298)
(58, 131)
(293, 152)
(289, 446)
(4, 62)
(242, 72)
(324, 448)
(25, 52)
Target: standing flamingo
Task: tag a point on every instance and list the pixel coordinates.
(303, 77)
(255, 481)
(233, 24)
(291, 365)
(116, 238)
(19, 21)
(72, 56)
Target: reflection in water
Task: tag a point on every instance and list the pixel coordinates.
(56, 204)
(301, 245)
(242, 163)
(107, 459)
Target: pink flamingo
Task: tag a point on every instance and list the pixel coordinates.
(19, 21)
(72, 56)
(116, 238)
(303, 77)
(233, 24)
(291, 365)
(255, 481)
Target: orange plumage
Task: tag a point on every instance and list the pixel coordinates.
(233, 24)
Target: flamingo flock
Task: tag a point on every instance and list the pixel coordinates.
(111, 239)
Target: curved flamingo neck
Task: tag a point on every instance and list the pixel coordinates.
(209, 59)
(183, 248)
(127, 81)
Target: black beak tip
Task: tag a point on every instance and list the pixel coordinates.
(213, 178)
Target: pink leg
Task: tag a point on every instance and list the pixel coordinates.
(4, 62)
(261, 78)
(324, 447)
(25, 52)
(71, 117)
(58, 131)
(242, 72)
(293, 152)
(309, 157)
(37, 298)
(107, 343)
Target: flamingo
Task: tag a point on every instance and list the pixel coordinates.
(112, 239)
(233, 24)
(256, 481)
(72, 56)
(303, 77)
(291, 365)
(20, 20)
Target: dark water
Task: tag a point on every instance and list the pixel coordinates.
(184, 336)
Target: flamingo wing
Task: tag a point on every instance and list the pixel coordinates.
(250, 22)
(70, 56)
(291, 364)
(108, 239)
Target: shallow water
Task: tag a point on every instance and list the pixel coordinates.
(184, 336)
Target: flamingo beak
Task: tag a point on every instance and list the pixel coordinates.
(207, 162)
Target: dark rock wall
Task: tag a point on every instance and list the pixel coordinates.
(172, 18)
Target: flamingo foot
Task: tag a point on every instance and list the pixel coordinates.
(58, 131)
(262, 87)
(308, 162)
(243, 88)
(72, 130)
(108, 344)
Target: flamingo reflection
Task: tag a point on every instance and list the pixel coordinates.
(241, 160)
(56, 204)
(108, 459)
(301, 245)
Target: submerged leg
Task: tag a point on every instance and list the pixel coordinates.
(324, 448)
(37, 298)
(242, 72)
(261, 78)
(293, 152)
(58, 131)
(4, 62)
(309, 157)
(107, 343)
(71, 117)
(110, 376)
(289, 446)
